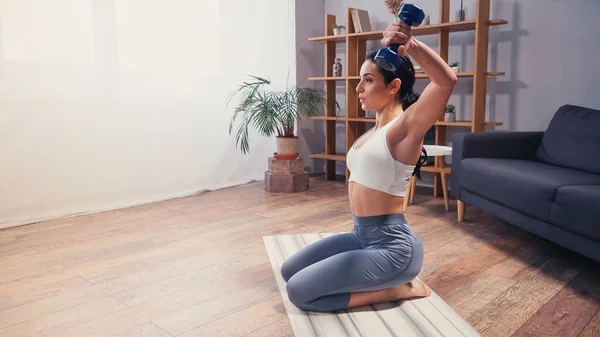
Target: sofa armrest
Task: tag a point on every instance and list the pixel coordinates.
(510, 145)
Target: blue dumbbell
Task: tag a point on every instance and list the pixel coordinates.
(387, 58)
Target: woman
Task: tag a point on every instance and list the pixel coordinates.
(380, 260)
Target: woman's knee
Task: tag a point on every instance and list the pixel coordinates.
(298, 292)
(288, 269)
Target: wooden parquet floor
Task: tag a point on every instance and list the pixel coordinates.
(197, 266)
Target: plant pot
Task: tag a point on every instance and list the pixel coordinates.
(287, 146)
(450, 117)
(455, 69)
(278, 156)
(337, 31)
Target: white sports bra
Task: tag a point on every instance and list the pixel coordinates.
(372, 164)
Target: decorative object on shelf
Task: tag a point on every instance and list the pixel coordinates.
(394, 7)
(360, 20)
(274, 112)
(455, 66)
(337, 29)
(337, 67)
(427, 21)
(450, 114)
(460, 14)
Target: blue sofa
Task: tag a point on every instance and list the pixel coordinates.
(544, 182)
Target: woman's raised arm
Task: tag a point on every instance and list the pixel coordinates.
(426, 111)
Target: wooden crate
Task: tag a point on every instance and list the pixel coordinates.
(286, 176)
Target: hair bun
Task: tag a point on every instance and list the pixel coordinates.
(409, 98)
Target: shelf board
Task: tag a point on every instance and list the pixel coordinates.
(442, 123)
(456, 123)
(362, 119)
(338, 157)
(459, 26)
(466, 74)
(417, 75)
(328, 118)
(465, 123)
(330, 38)
(344, 118)
(338, 78)
(435, 169)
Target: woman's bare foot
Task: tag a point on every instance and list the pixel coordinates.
(413, 289)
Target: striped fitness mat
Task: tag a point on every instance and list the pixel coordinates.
(423, 317)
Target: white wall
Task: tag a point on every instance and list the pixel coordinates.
(111, 103)
(548, 51)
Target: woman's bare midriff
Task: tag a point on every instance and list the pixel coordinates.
(365, 201)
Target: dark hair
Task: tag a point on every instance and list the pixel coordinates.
(406, 74)
(406, 95)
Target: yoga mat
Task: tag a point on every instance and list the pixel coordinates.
(423, 317)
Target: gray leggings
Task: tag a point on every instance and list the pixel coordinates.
(382, 252)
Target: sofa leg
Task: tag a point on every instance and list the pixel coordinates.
(461, 210)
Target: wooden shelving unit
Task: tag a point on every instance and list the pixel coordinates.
(460, 26)
(355, 120)
(460, 74)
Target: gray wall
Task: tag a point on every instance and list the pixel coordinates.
(310, 21)
(547, 50)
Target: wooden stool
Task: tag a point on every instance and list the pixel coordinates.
(432, 151)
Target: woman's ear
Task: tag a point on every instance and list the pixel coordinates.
(394, 86)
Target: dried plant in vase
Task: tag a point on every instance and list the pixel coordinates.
(394, 7)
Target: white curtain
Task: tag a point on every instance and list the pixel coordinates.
(112, 103)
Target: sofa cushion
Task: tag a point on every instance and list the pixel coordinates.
(572, 139)
(577, 209)
(526, 186)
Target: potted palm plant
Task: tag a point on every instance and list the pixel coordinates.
(274, 111)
